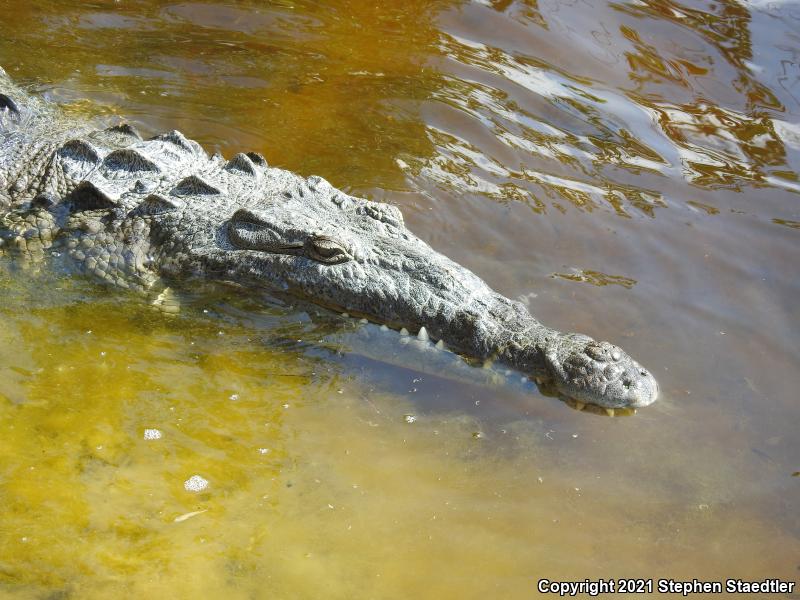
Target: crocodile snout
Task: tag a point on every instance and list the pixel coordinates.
(599, 373)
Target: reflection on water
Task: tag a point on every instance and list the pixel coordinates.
(650, 149)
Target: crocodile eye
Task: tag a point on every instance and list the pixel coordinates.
(326, 250)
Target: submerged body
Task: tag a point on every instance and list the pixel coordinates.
(138, 213)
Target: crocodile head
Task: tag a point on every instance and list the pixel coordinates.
(598, 373)
(304, 237)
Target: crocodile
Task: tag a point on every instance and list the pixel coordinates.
(144, 213)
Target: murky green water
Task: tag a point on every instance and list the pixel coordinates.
(630, 169)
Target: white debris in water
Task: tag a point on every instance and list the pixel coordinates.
(409, 418)
(263, 450)
(195, 483)
(152, 434)
(234, 397)
(189, 515)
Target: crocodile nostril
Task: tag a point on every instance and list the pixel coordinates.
(627, 384)
(643, 372)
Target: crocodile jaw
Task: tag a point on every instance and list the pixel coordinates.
(449, 303)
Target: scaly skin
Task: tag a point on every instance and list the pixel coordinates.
(135, 213)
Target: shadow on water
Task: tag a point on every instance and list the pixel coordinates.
(628, 170)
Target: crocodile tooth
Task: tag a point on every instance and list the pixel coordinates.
(610, 412)
(523, 379)
(363, 321)
(384, 328)
(423, 335)
(440, 345)
(404, 331)
(580, 405)
(345, 315)
(487, 364)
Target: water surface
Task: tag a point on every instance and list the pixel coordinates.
(628, 169)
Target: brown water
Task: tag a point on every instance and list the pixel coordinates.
(630, 169)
